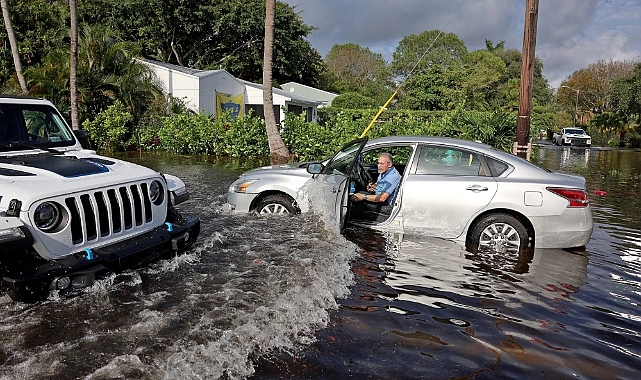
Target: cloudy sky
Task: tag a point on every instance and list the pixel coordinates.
(571, 34)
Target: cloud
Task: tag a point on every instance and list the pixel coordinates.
(571, 34)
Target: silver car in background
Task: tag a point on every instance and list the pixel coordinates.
(454, 189)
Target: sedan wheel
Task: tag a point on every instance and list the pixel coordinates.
(500, 233)
(276, 204)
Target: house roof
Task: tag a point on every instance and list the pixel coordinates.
(294, 84)
(183, 69)
(281, 92)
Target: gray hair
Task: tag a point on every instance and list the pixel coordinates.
(388, 156)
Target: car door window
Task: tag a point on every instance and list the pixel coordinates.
(444, 160)
(342, 161)
(400, 155)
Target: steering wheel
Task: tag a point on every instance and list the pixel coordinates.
(33, 137)
(360, 176)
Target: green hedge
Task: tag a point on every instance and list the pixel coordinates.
(246, 137)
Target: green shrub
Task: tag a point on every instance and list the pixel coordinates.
(109, 129)
(354, 100)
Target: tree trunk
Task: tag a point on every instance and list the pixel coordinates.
(14, 46)
(278, 152)
(73, 66)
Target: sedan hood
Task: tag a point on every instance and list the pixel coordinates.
(297, 168)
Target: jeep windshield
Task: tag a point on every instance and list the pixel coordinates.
(32, 126)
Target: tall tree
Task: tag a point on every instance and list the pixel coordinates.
(594, 83)
(213, 34)
(357, 69)
(419, 52)
(489, 46)
(626, 94)
(6, 15)
(434, 89)
(277, 150)
(541, 92)
(37, 25)
(73, 66)
(481, 78)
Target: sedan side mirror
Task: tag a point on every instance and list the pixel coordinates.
(314, 168)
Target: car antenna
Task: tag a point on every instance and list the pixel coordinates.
(410, 73)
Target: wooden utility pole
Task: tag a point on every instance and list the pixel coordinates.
(522, 146)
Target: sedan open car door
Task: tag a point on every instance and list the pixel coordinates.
(333, 180)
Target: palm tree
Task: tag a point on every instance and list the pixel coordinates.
(73, 66)
(14, 46)
(278, 152)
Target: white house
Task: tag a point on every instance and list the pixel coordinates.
(325, 97)
(202, 91)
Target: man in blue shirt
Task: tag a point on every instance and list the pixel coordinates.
(382, 193)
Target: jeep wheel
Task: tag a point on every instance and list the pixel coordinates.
(277, 204)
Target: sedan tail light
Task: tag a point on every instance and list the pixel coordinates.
(576, 197)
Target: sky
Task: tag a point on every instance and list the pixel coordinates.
(571, 34)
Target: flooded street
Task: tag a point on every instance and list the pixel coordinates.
(289, 298)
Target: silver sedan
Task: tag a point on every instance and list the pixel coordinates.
(454, 189)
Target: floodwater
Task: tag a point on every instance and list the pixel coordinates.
(289, 298)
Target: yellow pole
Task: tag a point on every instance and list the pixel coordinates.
(377, 115)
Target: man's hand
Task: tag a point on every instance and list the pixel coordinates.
(358, 197)
(371, 187)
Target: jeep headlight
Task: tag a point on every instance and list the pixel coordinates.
(47, 216)
(156, 194)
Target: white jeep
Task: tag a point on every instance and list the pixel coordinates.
(68, 215)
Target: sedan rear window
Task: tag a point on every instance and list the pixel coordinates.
(497, 167)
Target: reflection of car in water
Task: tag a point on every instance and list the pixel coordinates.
(416, 262)
(68, 215)
(453, 189)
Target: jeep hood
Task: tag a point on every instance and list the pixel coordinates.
(30, 177)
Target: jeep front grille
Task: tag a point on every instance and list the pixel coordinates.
(108, 212)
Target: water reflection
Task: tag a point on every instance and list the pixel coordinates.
(426, 308)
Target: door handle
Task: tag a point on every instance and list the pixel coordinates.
(476, 188)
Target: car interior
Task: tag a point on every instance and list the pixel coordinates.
(366, 171)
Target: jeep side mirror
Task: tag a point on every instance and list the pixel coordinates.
(82, 137)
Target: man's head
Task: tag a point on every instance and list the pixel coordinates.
(385, 162)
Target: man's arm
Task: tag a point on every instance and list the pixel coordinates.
(376, 198)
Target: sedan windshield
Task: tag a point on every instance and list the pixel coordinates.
(27, 126)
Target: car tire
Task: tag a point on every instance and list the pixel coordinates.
(277, 204)
(500, 233)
